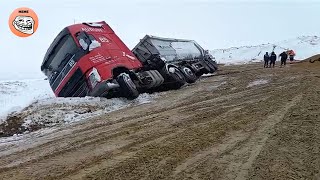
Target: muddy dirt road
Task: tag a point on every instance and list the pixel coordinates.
(246, 123)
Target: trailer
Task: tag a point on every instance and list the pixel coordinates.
(185, 56)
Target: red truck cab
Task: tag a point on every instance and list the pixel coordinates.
(85, 59)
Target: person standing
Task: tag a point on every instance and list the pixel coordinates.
(273, 58)
(291, 55)
(266, 59)
(283, 56)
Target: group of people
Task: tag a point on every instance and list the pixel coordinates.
(270, 60)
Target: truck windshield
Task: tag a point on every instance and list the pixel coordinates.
(60, 53)
(176, 50)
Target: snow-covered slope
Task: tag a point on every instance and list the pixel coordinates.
(304, 47)
(51, 112)
(29, 105)
(15, 95)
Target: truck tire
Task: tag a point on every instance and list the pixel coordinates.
(177, 76)
(212, 65)
(189, 75)
(127, 88)
(158, 78)
(205, 69)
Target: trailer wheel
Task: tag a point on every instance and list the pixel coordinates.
(189, 75)
(177, 77)
(215, 65)
(205, 69)
(127, 87)
(212, 65)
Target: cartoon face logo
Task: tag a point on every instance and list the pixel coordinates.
(24, 24)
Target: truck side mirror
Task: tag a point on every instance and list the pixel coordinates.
(84, 40)
(94, 44)
(83, 44)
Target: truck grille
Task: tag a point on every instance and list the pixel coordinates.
(76, 86)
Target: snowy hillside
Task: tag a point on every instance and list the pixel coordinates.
(51, 112)
(15, 95)
(28, 105)
(304, 46)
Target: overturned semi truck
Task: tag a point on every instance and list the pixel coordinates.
(89, 59)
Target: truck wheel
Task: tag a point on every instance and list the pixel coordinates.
(127, 87)
(215, 65)
(212, 65)
(205, 69)
(177, 77)
(157, 77)
(189, 75)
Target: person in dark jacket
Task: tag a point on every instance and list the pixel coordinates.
(266, 59)
(273, 58)
(283, 57)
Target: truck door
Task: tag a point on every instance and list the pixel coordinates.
(88, 43)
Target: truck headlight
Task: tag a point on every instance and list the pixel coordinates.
(94, 77)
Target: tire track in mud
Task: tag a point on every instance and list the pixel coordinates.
(230, 143)
(193, 133)
(149, 142)
(233, 141)
(93, 138)
(82, 144)
(88, 135)
(260, 138)
(293, 151)
(207, 112)
(171, 114)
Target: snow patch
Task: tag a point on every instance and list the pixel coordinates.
(304, 47)
(216, 86)
(209, 74)
(14, 95)
(258, 82)
(51, 112)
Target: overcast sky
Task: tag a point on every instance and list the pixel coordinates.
(213, 24)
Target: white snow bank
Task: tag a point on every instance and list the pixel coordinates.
(17, 95)
(258, 82)
(14, 95)
(304, 47)
(52, 111)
